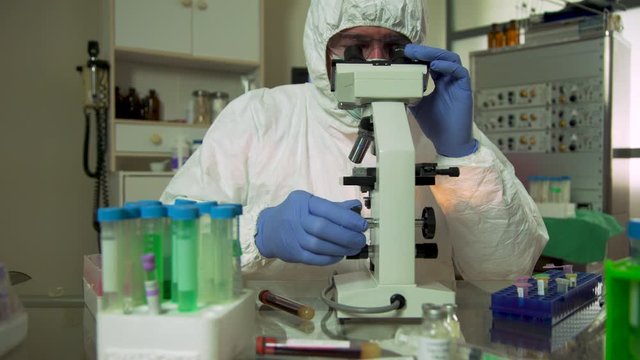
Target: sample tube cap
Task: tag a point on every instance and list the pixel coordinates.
(634, 229)
(153, 212)
(223, 212)
(143, 203)
(183, 212)
(238, 208)
(111, 214)
(184, 202)
(132, 211)
(204, 207)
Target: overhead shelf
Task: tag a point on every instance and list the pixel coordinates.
(183, 60)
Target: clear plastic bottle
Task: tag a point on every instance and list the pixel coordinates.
(131, 252)
(434, 338)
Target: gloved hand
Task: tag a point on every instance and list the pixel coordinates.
(446, 114)
(311, 230)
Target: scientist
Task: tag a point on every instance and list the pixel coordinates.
(282, 152)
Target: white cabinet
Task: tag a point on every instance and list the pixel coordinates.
(128, 186)
(221, 29)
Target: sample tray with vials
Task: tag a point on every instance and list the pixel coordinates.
(550, 308)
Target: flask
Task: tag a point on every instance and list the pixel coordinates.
(512, 34)
(500, 37)
(434, 339)
(153, 106)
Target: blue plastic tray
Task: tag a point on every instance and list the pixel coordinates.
(550, 308)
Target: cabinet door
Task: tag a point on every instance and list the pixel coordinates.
(227, 29)
(163, 25)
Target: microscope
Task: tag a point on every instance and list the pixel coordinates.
(384, 88)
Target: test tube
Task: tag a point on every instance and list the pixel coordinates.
(184, 202)
(522, 289)
(573, 279)
(133, 277)
(174, 257)
(151, 283)
(111, 238)
(206, 267)
(541, 287)
(222, 256)
(184, 231)
(562, 285)
(153, 220)
(238, 284)
(288, 305)
(314, 347)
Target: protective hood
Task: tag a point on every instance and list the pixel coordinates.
(328, 17)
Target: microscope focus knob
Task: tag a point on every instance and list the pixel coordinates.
(428, 223)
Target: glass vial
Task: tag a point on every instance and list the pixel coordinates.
(501, 37)
(512, 34)
(434, 338)
(131, 252)
(491, 36)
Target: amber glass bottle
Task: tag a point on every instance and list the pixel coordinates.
(153, 106)
(491, 36)
(501, 40)
(512, 34)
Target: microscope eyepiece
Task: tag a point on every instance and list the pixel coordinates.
(353, 53)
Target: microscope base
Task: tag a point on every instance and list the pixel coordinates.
(361, 289)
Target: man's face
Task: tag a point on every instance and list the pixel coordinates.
(376, 43)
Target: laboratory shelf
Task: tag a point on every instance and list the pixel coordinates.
(553, 306)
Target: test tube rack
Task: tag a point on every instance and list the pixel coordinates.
(541, 336)
(550, 308)
(217, 332)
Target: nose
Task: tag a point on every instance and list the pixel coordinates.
(376, 50)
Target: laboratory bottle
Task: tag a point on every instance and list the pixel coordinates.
(512, 34)
(153, 106)
(222, 253)
(134, 106)
(153, 222)
(219, 101)
(434, 339)
(184, 236)
(133, 249)
(500, 37)
(491, 36)
(174, 259)
(179, 154)
(202, 107)
(111, 238)
(206, 267)
(120, 104)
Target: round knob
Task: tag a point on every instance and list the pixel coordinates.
(156, 139)
(186, 3)
(428, 223)
(202, 5)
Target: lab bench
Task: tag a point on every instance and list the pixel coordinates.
(66, 330)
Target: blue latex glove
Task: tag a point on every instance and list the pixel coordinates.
(445, 115)
(311, 230)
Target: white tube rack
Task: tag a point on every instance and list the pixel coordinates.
(215, 332)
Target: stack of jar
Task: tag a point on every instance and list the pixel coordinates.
(130, 106)
(503, 35)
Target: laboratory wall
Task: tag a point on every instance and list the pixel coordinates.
(284, 25)
(45, 212)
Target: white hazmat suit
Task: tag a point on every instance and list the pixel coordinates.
(270, 142)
